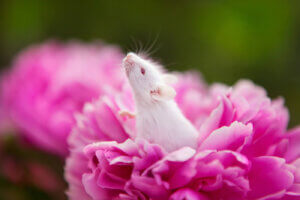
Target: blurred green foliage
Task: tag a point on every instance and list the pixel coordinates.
(225, 40)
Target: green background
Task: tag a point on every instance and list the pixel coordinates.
(225, 40)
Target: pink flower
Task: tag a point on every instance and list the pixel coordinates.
(49, 82)
(244, 150)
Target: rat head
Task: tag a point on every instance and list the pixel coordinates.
(141, 73)
(145, 78)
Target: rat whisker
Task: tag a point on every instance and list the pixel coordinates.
(149, 50)
(135, 47)
(140, 47)
(154, 50)
(149, 43)
(127, 49)
(130, 48)
(146, 45)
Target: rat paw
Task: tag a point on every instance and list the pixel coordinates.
(125, 113)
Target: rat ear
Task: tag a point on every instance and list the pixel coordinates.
(163, 92)
(169, 78)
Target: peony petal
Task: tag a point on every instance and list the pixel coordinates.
(91, 187)
(293, 150)
(220, 116)
(232, 137)
(269, 176)
(187, 194)
(149, 187)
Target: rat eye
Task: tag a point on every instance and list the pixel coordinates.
(143, 71)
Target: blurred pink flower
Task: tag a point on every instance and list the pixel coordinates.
(244, 151)
(38, 173)
(26, 173)
(51, 81)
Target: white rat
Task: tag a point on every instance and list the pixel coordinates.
(158, 118)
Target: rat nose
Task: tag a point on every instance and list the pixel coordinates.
(129, 55)
(128, 63)
(128, 60)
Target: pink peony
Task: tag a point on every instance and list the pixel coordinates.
(49, 82)
(244, 149)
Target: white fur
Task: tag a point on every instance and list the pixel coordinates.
(158, 120)
(164, 124)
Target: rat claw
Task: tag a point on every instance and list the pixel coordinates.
(125, 113)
